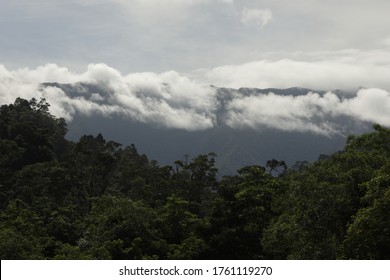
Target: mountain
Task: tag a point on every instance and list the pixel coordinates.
(235, 146)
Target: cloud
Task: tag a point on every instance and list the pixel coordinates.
(173, 100)
(346, 70)
(288, 113)
(256, 17)
(167, 99)
(155, 12)
(155, 35)
(315, 113)
(372, 105)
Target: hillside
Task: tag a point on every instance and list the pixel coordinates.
(234, 146)
(97, 199)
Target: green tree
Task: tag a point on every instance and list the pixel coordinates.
(22, 233)
(321, 200)
(368, 236)
(241, 211)
(194, 181)
(30, 125)
(119, 228)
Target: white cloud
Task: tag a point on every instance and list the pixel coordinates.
(166, 99)
(155, 35)
(256, 17)
(372, 105)
(309, 113)
(346, 70)
(157, 12)
(175, 101)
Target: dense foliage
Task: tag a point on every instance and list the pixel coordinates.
(95, 199)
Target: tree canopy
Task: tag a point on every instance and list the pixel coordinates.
(95, 199)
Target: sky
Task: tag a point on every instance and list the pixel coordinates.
(318, 44)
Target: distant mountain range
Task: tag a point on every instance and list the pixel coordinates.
(235, 146)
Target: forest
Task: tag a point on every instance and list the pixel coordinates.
(96, 199)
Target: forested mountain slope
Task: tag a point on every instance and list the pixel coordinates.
(278, 133)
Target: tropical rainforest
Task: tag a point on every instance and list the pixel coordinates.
(95, 199)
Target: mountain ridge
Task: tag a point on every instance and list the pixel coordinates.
(235, 146)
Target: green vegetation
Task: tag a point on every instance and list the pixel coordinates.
(95, 199)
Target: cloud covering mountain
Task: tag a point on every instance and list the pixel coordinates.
(173, 100)
(235, 62)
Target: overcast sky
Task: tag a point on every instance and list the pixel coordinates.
(318, 44)
(187, 35)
